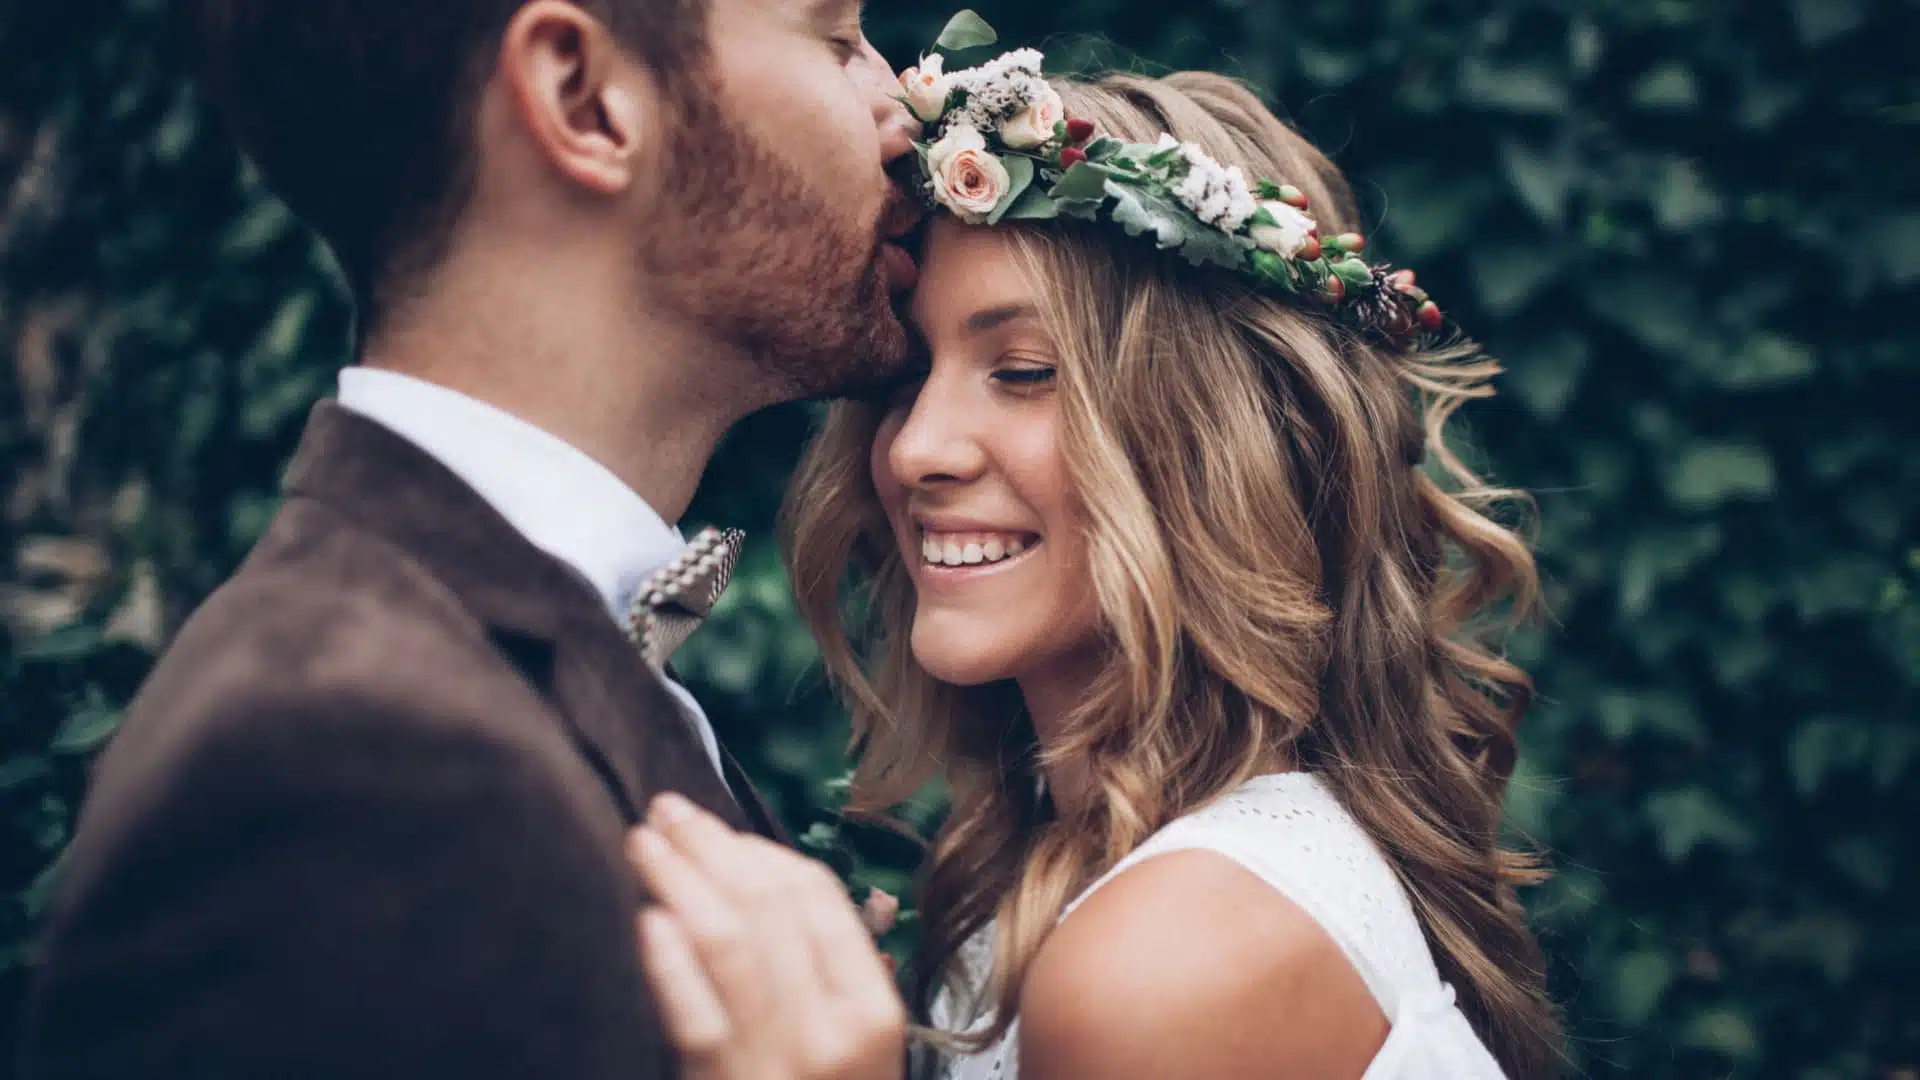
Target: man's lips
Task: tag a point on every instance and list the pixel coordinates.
(902, 274)
(901, 218)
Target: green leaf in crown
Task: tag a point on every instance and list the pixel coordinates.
(997, 146)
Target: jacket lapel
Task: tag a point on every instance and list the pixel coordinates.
(545, 620)
(758, 814)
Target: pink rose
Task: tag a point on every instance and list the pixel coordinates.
(1033, 125)
(967, 178)
(925, 89)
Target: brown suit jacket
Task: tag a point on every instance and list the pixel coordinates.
(366, 817)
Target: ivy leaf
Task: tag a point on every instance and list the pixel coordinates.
(966, 30)
(1686, 818)
(66, 645)
(1019, 179)
(1766, 360)
(1638, 981)
(1713, 473)
(1725, 1030)
(23, 770)
(37, 897)
(86, 728)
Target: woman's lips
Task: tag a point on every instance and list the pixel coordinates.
(955, 557)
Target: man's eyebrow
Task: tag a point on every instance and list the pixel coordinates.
(995, 317)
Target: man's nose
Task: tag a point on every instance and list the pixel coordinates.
(897, 127)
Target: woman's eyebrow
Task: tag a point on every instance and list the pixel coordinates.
(995, 317)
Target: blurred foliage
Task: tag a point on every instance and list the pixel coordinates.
(1690, 226)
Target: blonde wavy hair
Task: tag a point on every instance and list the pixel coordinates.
(1289, 563)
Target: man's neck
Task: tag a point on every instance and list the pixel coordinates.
(646, 398)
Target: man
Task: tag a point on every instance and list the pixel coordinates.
(366, 817)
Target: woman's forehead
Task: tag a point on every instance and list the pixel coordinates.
(966, 270)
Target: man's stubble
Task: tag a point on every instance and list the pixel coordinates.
(764, 260)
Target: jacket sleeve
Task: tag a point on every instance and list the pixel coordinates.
(346, 888)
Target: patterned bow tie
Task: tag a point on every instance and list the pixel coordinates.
(672, 601)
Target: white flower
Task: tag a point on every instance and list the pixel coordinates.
(925, 88)
(1290, 232)
(998, 88)
(1033, 125)
(1217, 195)
(1001, 68)
(967, 178)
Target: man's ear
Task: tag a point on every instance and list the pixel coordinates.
(582, 104)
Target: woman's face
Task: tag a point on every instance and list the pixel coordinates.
(968, 465)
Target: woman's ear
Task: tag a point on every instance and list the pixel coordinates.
(582, 103)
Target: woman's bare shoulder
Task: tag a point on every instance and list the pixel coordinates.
(1188, 964)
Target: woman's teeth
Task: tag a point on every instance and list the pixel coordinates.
(965, 549)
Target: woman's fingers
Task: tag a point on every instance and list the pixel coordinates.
(760, 880)
(720, 936)
(792, 984)
(690, 1007)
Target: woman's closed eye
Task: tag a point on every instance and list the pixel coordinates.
(1026, 377)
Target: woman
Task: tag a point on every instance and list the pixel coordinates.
(1161, 579)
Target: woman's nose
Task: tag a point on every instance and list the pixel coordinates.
(935, 444)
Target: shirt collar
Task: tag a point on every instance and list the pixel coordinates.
(564, 502)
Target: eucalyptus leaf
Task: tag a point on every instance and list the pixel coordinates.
(966, 30)
(1084, 181)
(1034, 204)
(1148, 210)
(1142, 212)
(1019, 179)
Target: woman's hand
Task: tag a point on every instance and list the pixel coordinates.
(761, 967)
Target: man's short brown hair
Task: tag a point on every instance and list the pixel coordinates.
(359, 113)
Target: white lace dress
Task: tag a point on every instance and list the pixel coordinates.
(1291, 832)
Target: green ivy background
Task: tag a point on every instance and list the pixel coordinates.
(1691, 227)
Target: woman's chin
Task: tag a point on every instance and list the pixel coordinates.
(957, 664)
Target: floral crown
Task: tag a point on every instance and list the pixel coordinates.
(999, 148)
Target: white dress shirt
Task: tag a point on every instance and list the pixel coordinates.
(564, 502)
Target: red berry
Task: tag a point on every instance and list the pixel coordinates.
(1079, 129)
(1402, 281)
(1335, 289)
(1429, 315)
(1293, 196)
(1352, 242)
(1071, 156)
(1311, 249)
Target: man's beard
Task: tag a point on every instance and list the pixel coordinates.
(765, 261)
